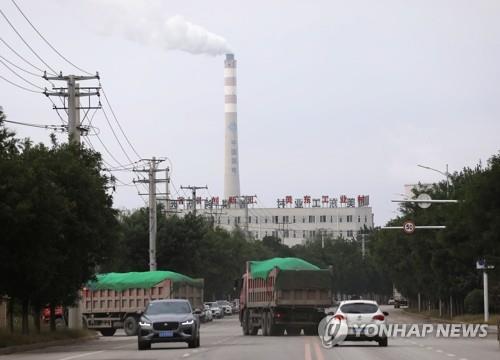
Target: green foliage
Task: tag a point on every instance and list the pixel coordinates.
(57, 219)
(441, 263)
(474, 302)
(190, 245)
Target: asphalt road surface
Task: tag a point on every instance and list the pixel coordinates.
(223, 340)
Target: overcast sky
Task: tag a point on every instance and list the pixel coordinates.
(334, 97)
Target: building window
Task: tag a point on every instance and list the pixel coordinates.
(303, 219)
(331, 219)
(341, 234)
(340, 218)
(265, 219)
(249, 219)
(312, 219)
(303, 233)
(256, 219)
(275, 233)
(293, 219)
(359, 218)
(265, 234)
(366, 219)
(349, 233)
(238, 219)
(349, 218)
(285, 219)
(312, 233)
(285, 234)
(322, 219)
(228, 220)
(294, 234)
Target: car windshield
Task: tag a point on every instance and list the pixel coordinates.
(168, 307)
(359, 308)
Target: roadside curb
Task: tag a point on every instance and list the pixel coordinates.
(492, 329)
(41, 345)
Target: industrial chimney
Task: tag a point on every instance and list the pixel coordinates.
(231, 162)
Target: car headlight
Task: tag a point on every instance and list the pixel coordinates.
(145, 324)
(188, 322)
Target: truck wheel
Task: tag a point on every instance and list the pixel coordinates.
(130, 326)
(292, 331)
(311, 330)
(143, 345)
(382, 342)
(107, 331)
(274, 330)
(254, 330)
(244, 324)
(265, 324)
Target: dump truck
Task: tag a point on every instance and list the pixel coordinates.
(283, 294)
(117, 300)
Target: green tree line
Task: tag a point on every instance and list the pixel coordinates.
(193, 246)
(57, 222)
(440, 265)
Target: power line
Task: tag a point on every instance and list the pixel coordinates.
(20, 68)
(114, 134)
(20, 86)
(19, 55)
(46, 41)
(120, 127)
(25, 42)
(20, 76)
(54, 127)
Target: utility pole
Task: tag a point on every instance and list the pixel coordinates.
(193, 194)
(71, 95)
(151, 181)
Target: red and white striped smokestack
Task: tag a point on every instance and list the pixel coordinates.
(231, 156)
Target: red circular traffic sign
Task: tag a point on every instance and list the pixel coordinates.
(408, 227)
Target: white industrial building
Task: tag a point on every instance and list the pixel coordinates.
(293, 225)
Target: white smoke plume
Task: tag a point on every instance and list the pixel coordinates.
(145, 23)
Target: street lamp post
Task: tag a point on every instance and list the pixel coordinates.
(444, 173)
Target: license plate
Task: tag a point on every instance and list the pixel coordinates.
(166, 333)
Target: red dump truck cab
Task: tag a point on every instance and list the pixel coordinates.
(285, 300)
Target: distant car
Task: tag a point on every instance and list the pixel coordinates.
(217, 311)
(208, 313)
(169, 321)
(226, 306)
(236, 306)
(391, 301)
(361, 312)
(401, 303)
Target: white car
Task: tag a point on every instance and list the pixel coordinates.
(359, 314)
(226, 306)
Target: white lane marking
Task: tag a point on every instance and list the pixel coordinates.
(450, 355)
(121, 347)
(429, 347)
(439, 351)
(185, 355)
(82, 355)
(462, 359)
(195, 350)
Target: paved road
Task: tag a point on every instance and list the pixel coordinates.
(222, 340)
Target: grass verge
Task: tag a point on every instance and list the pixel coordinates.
(466, 318)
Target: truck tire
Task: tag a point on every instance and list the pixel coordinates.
(311, 330)
(265, 324)
(274, 330)
(244, 323)
(143, 345)
(107, 331)
(130, 326)
(293, 331)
